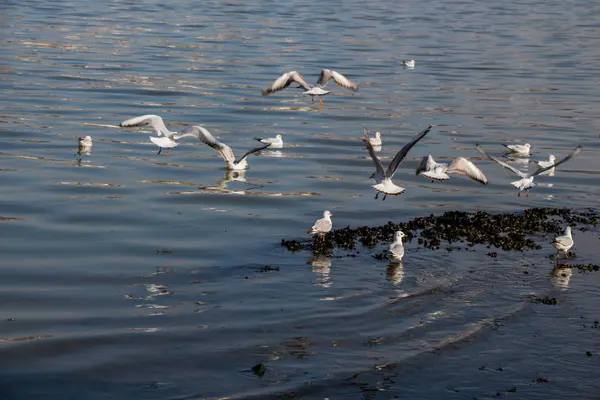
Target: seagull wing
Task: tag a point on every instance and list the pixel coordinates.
(284, 81)
(246, 154)
(207, 138)
(403, 152)
(427, 164)
(322, 225)
(192, 131)
(575, 151)
(462, 166)
(379, 174)
(501, 163)
(155, 121)
(327, 74)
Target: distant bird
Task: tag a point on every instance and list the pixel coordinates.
(207, 138)
(375, 141)
(323, 225)
(169, 140)
(384, 178)
(435, 171)
(274, 143)
(526, 181)
(520, 149)
(84, 146)
(549, 163)
(397, 247)
(408, 63)
(318, 89)
(564, 243)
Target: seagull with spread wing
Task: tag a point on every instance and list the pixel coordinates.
(526, 181)
(435, 171)
(318, 89)
(384, 177)
(166, 139)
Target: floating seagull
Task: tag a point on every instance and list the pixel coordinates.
(274, 143)
(323, 225)
(384, 178)
(207, 138)
(429, 168)
(549, 163)
(375, 141)
(158, 126)
(318, 89)
(521, 149)
(564, 243)
(85, 146)
(397, 247)
(526, 181)
(408, 63)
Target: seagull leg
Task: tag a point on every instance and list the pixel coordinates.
(527, 193)
(384, 197)
(313, 100)
(159, 150)
(518, 194)
(167, 153)
(567, 254)
(320, 101)
(376, 195)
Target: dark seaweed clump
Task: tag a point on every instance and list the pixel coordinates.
(509, 232)
(549, 301)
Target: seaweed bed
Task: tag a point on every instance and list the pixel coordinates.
(459, 229)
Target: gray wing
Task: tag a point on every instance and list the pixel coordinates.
(327, 74)
(284, 81)
(246, 154)
(403, 152)
(575, 151)
(155, 121)
(192, 131)
(501, 163)
(322, 225)
(378, 167)
(207, 138)
(462, 166)
(427, 164)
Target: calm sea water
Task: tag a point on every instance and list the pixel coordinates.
(126, 274)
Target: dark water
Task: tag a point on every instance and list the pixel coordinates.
(130, 275)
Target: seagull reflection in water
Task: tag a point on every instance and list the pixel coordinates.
(395, 272)
(561, 276)
(321, 266)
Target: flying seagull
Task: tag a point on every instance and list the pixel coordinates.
(384, 178)
(169, 139)
(435, 171)
(526, 181)
(318, 89)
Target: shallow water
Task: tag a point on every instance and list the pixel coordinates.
(127, 274)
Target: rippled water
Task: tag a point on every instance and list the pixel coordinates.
(126, 274)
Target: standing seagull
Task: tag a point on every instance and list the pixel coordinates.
(384, 178)
(397, 247)
(520, 149)
(169, 140)
(207, 138)
(564, 243)
(323, 225)
(526, 181)
(274, 143)
(318, 89)
(429, 168)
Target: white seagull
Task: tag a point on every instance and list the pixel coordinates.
(521, 149)
(564, 243)
(375, 141)
(169, 139)
(85, 146)
(526, 181)
(323, 225)
(435, 171)
(549, 163)
(318, 89)
(410, 64)
(274, 143)
(384, 178)
(397, 247)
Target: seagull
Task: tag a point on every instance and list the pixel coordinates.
(274, 143)
(384, 178)
(397, 248)
(318, 89)
(521, 149)
(408, 63)
(544, 164)
(526, 181)
(207, 138)
(375, 141)
(158, 126)
(323, 225)
(564, 243)
(85, 146)
(429, 168)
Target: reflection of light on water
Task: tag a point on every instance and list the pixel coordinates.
(561, 276)
(395, 272)
(321, 266)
